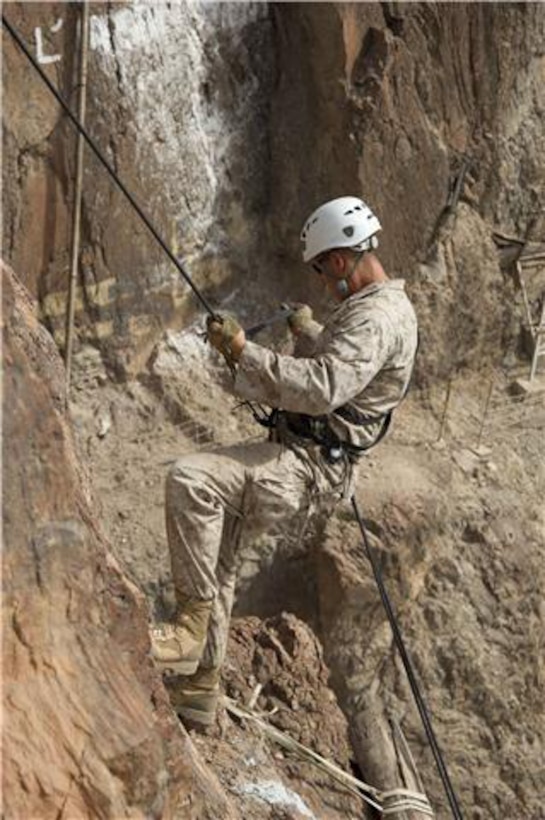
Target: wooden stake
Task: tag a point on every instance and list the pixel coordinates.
(76, 223)
(445, 410)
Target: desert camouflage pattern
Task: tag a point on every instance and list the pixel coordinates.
(362, 357)
(213, 499)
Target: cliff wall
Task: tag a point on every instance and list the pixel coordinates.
(87, 728)
(230, 122)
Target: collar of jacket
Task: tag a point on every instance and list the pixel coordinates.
(375, 287)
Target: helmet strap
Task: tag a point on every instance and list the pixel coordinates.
(343, 285)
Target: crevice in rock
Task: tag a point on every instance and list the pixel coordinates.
(393, 17)
(111, 31)
(75, 777)
(37, 563)
(20, 635)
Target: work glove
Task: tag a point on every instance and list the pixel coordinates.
(226, 335)
(300, 318)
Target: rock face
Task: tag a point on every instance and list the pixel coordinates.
(230, 122)
(178, 100)
(87, 727)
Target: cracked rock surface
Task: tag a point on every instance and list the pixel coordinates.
(87, 730)
(231, 122)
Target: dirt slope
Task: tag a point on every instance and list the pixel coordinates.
(231, 121)
(460, 536)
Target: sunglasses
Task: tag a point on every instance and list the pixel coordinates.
(318, 265)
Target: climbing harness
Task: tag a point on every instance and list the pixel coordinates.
(318, 430)
(307, 427)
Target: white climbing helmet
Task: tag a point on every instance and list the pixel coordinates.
(346, 222)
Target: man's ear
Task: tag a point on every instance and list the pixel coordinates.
(339, 260)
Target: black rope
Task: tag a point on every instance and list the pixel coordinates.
(106, 164)
(180, 267)
(409, 668)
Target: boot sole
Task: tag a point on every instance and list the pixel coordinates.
(196, 716)
(182, 667)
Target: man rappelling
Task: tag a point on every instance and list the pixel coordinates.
(332, 399)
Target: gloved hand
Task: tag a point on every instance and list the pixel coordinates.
(299, 318)
(226, 335)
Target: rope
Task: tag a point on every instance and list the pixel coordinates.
(397, 800)
(387, 803)
(367, 793)
(91, 143)
(143, 216)
(407, 663)
(181, 269)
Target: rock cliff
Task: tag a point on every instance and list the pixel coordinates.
(87, 728)
(230, 122)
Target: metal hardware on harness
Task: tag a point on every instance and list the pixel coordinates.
(280, 316)
(332, 454)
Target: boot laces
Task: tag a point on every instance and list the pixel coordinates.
(164, 631)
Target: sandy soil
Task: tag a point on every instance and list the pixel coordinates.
(456, 513)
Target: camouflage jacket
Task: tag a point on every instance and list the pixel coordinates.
(361, 359)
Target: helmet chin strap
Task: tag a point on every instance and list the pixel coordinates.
(342, 286)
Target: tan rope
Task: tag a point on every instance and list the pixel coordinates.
(390, 802)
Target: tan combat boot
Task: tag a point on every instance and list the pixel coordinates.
(177, 647)
(196, 699)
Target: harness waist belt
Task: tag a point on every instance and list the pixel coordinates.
(356, 418)
(317, 429)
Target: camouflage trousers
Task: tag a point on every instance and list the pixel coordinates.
(211, 497)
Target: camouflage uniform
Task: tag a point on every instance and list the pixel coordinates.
(361, 359)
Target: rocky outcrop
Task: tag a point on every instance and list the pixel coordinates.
(461, 551)
(178, 100)
(283, 656)
(87, 731)
(230, 122)
(277, 664)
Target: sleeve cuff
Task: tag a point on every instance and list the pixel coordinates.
(251, 364)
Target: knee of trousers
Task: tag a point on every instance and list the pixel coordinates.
(181, 474)
(185, 484)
